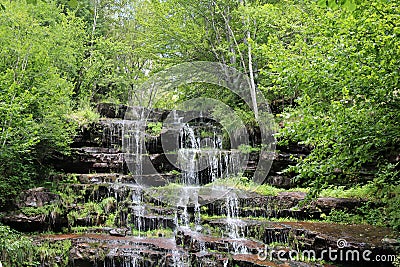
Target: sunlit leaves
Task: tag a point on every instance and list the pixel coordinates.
(39, 61)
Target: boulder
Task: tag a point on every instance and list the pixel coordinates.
(37, 197)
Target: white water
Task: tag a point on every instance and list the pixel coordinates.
(235, 226)
(133, 143)
(177, 260)
(139, 210)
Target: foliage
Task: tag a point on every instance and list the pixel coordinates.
(54, 253)
(347, 97)
(387, 190)
(84, 114)
(34, 211)
(243, 183)
(19, 250)
(361, 192)
(382, 207)
(248, 149)
(16, 249)
(154, 128)
(37, 68)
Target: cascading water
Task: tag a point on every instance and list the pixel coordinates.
(202, 160)
(235, 226)
(111, 132)
(177, 260)
(188, 161)
(139, 209)
(133, 141)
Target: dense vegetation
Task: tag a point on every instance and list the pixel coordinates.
(328, 68)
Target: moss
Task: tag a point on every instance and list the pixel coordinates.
(161, 232)
(361, 192)
(34, 211)
(243, 183)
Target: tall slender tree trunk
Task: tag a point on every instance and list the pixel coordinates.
(252, 82)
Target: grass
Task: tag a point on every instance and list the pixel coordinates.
(361, 192)
(162, 232)
(243, 183)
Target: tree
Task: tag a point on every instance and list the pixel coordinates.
(41, 51)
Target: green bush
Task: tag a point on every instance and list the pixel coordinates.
(19, 250)
(16, 250)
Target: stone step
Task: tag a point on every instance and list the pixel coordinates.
(123, 251)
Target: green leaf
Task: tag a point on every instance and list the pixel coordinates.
(34, 2)
(73, 3)
(323, 3)
(350, 5)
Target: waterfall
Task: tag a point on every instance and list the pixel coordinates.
(188, 162)
(197, 217)
(177, 259)
(201, 157)
(133, 142)
(188, 197)
(139, 210)
(234, 225)
(111, 132)
(188, 138)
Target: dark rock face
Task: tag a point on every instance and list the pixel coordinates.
(35, 223)
(89, 159)
(24, 223)
(98, 148)
(37, 197)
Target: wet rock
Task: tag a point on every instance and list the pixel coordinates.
(326, 204)
(119, 231)
(35, 223)
(111, 110)
(279, 180)
(91, 159)
(37, 197)
(391, 241)
(150, 222)
(99, 178)
(116, 251)
(196, 242)
(25, 223)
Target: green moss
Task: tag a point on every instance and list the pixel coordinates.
(362, 192)
(248, 149)
(162, 232)
(243, 183)
(34, 211)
